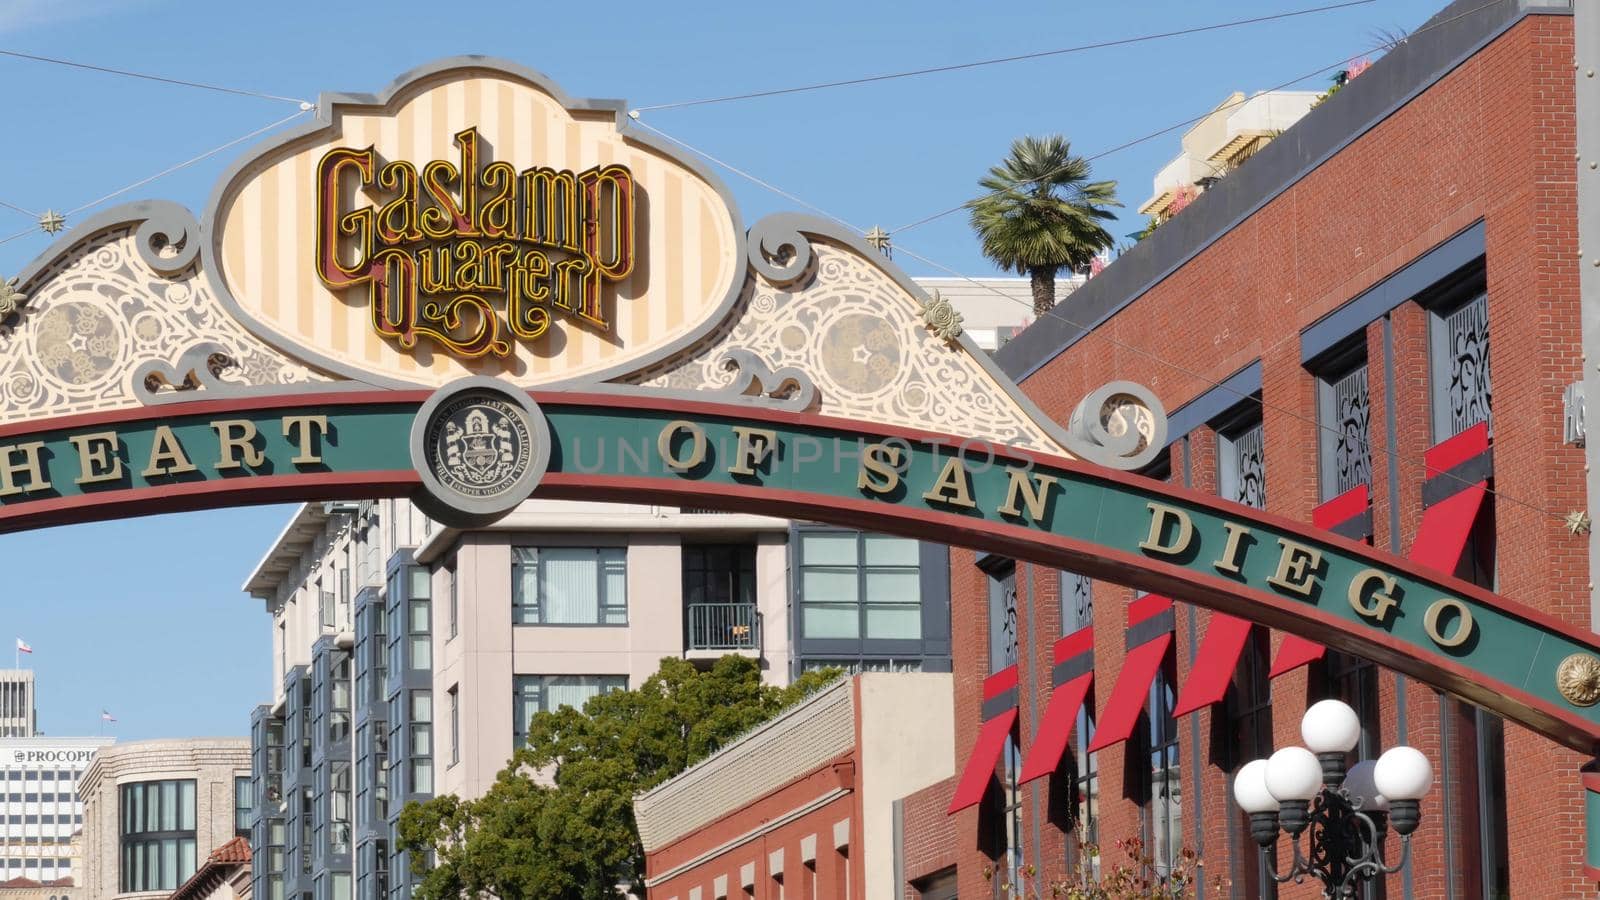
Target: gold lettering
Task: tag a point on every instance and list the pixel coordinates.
(884, 462)
(1430, 622)
(1034, 493)
(1297, 568)
(1232, 550)
(229, 444)
(97, 461)
(166, 455)
(697, 445)
(754, 446)
(31, 466)
(1375, 606)
(1160, 513)
(953, 486)
(308, 428)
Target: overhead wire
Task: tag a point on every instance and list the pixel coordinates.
(145, 76)
(1041, 54)
(165, 172)
(1105, 335)
(1174, 127)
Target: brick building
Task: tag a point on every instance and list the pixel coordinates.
(1318, 325)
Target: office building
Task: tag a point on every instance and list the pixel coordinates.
(153, 810)
(40, 804)
(18, 715)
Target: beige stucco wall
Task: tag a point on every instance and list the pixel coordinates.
(213, 763)
(488, 651)
(907, 743)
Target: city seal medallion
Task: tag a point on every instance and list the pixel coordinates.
(480, 446)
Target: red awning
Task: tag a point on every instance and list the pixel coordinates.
(1059, 717)
(1000, 715)
(1115, 722)
(980, 765)
(1050, 741)
(1442, 534)
(1297, 651)
(1213, 664)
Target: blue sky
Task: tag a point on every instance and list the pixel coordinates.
(145, 617)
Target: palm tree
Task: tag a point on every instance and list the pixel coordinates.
(1042, 213)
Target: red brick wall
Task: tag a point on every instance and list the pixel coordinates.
(1493, 140)
(930, 845)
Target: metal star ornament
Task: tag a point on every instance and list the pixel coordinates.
(878, 239)
(1578, 522)
(52, 221)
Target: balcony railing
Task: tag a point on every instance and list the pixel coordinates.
(724, 626)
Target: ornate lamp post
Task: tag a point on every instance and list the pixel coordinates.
(1347, 813)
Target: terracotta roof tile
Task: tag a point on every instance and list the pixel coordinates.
(234, 851)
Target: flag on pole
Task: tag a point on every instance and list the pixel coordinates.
(106, 716)
(22, 646)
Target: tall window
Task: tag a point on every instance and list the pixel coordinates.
(419, 616)
(1011, 809)
(855, 585)
(1249, 710)
(1166, 795)
(1460, 379)
(1343, 414)
(455, 598)
(158, 835)
(455, 725)
(324, 606)
(543, 693)
(419, 759)
(1077, 602)
(1086, 783)
(569, 586)
(719, 596)
(1241, 461)
(1002, 616)
(243, 804)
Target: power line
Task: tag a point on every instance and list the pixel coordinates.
(188, 162)
(13, 206)
(1105, 334)
(956, 67)
(242, 92)
(165, 172)
(1174, 127)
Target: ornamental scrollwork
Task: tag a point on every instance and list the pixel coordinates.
(1120, 425)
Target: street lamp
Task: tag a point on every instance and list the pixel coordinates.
(1348, 813)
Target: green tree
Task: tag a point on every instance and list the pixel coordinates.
(575, 839)
(1041, 213)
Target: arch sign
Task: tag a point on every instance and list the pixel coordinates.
(473, 289)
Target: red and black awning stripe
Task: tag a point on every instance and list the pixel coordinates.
(1072, 676)
(1350, 515)
(1149, 636)
(999, 718)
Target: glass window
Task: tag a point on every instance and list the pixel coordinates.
(1460, 378)
(455, 600)
(1011, 811)
(1249, 711)
(1166, 784)
(855, 586)
(1086, 787)
(1241, 464)
(719, 596)
(569, 585)
(455, 725)
(243, 803)
(158, 834)
(1002, 617)
(1077, 602)
(543, 693)
(1343, 413)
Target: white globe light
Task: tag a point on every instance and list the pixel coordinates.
(1293, 773)
(1403, 773)
(1330, 726)
(1250, 788)
(1360, 786)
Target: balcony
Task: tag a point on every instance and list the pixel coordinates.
(723, 627)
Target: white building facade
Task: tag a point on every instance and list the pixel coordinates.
(40, 806)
